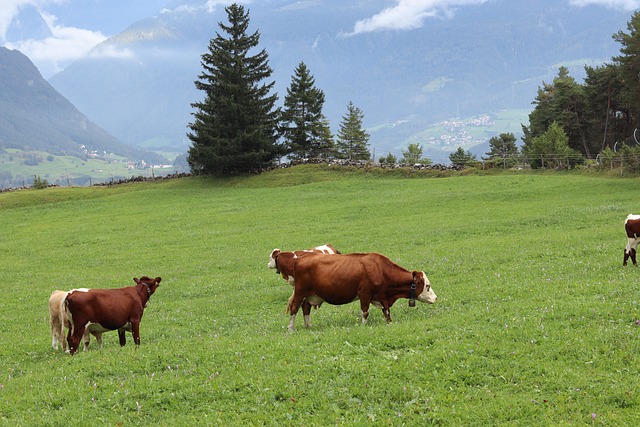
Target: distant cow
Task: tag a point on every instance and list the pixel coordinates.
(372, 278)
(632, 227)
(283, 263)
(108, 309)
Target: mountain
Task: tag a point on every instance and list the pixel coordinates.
(477, 60)
(34, 116)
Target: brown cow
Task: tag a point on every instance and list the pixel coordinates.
(283, 263)
(632, 228)
(108, 310)
(372, 278)
(59, 322)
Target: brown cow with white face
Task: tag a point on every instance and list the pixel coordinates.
(632, 228)
(283, 263)
(371, 277)
(108, 309)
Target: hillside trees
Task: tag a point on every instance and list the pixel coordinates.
(235, 126)
(600, 116)
(353, 141)
(305, 129)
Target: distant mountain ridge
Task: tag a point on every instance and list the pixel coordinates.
(34, 116)
(485, 58)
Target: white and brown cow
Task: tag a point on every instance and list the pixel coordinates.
(283, 263)
(370, 277)
(104, 310)
(632, 228)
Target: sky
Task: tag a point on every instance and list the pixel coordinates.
(79, 25)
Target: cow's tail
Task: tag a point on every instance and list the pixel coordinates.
(61, 321)
(65, 314)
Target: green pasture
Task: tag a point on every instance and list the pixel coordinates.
(536, 321)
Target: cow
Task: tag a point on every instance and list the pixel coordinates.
(283, 263)
(58, 322)
(632, 228)
(342, 278)
(108, 309)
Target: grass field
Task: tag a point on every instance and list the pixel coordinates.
(535, 322)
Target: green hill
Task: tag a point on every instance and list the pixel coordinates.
(35, 117)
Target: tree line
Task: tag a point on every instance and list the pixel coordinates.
(237, 127)
(575, 124)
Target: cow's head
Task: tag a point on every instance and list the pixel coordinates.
(149, 283)
(273, 260)
(422, 283)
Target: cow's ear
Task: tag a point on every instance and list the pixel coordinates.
(414, 273)
(158, 279)
(135, 279)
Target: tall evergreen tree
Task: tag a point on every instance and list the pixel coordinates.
(304, 125)
(235, 126)
(563, 102)
(353, 141)
(608, 105)
(629, 63)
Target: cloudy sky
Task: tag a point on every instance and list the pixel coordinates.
(78, 25)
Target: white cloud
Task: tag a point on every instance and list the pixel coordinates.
(8, 11)
(614, 4)
(408, 14)
(64, 46)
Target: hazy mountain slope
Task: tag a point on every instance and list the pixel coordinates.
(33, 116)
(484, 58)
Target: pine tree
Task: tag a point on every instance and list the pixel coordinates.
(353, 140)
(629, 63)
(235, 127)
(503, 148)
(461, 157)
(304, 125)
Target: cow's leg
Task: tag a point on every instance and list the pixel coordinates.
(306, 310)
(86, 337)
(54, 337)
(364, 305)
(292, 308)
(98, 336)
(135, 330)
(123, 338)
(630, 251)
(387, 314)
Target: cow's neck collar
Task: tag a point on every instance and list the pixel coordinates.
(148, 290)
(277, 268)
(412, 294)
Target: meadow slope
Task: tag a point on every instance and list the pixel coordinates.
(536, 322)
